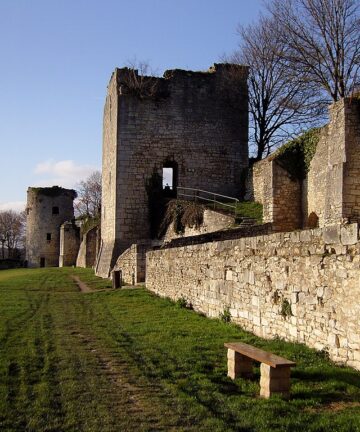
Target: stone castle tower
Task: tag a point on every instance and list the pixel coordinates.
(47, 209)
(191, 126)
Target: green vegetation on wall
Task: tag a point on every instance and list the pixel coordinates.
(183, 214)
(89, 223)
(295, 156)
(53, 191)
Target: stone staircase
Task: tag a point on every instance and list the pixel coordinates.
(245, 221)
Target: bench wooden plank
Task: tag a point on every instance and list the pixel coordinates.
(259, 354)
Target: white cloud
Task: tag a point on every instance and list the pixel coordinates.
(13, 205)
(65, 173)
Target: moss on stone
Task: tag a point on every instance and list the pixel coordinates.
(295, 156)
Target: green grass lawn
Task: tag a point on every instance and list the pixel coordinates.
(127, 360)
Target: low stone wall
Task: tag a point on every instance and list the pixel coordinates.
(301, 286)
(213, 221)
(132, 263)
(229, 234)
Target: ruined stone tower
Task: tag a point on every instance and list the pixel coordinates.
(47, 209)
(192, 124)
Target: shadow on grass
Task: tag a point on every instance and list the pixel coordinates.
(326, 386)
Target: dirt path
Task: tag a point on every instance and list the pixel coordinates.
(82, 285)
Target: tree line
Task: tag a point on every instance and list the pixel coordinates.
(302, 55)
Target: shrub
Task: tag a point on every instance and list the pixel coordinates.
(225, 315)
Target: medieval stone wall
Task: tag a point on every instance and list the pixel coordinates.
(109, 249)
(260, 174)
(47, 209)
(279, 193)
(286, 200)
(197, 122)
(325, 178)
(213, 221)
(69, 244)
(331, 192)
(132, 263)
(351, 203)
(88, 249)
(299, 286)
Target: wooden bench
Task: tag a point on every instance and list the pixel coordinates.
(274, 370)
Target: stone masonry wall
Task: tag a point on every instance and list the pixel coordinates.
(286, 200)
(109, 250)
(69, 244)
(197, 122)
(325, 178)
(88, 249)
(331, 192)
(213, 221)
(132, 263)
(351, 203)
(279, 193)
(43, 224)
(299, 286)
(261, 172)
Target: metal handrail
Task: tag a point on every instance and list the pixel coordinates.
(195, 194)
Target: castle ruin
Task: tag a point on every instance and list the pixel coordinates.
(295, 276)
(46, 210)
(195, 124)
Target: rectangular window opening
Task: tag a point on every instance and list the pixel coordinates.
(48, 236)
(168, 179)
(55, 210)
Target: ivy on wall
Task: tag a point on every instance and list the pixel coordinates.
(295, 156)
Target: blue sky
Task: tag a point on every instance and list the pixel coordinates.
(56, 60)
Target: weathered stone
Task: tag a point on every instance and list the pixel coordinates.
(274, 381)
(88, 248)
(331, 234)
(239, 365)
(349, 234)
(195, 123)
(69, 244)
(47, 209)
(330, 194)
(321, 289)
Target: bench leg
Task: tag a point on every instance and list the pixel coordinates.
(274, 381)
(239, 365)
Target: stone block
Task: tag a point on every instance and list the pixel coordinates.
(239, 365)
(331, 234)
(305, 236)
(274, 381)
(349, 234)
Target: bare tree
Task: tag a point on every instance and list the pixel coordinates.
(12, 228)
(323, 41)
(88, 202)
(280, 104)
